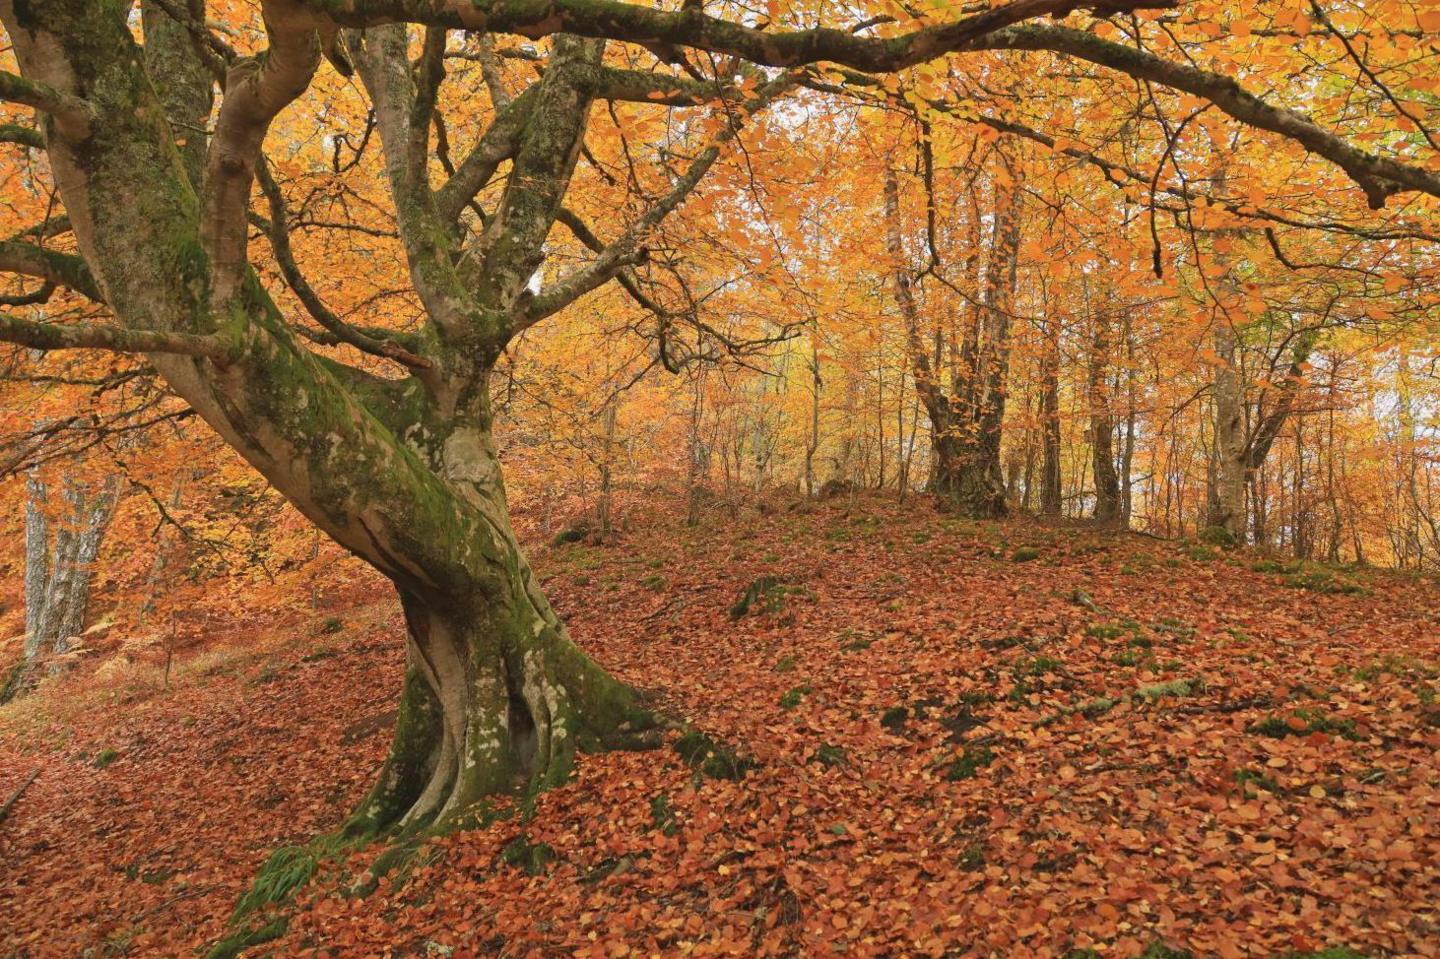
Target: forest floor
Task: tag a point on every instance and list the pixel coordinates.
(1003, 739)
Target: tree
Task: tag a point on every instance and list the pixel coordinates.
(967, 414)
(401, 468)
(1102, 419)
(59, 568)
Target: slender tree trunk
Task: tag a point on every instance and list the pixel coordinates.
(1050, 422)
(1127, 453)
(1102, 425)
(696, 457)
(37, 565)
(607, 469)
(816, 384)
(1227, 490)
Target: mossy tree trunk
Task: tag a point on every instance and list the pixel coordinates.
(496, 697)
(401, 471)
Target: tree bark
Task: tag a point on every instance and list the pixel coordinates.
(496, 697)
(1227, 491)
(1102, 425)
(1050, 422)
(966, 423)
(59, 570)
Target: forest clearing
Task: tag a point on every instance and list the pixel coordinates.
(692, 477)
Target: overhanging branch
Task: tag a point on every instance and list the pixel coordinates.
(56, 336)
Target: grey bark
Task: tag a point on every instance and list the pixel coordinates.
(59, 569)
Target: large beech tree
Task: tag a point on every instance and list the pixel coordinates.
(157, 184)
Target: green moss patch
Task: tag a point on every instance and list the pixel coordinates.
(793, 696)
(1304, 722)
(709, 758)
(533, 857)
(969, 762)
(765, 595)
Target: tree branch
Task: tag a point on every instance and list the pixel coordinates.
(496, 145)
(256, 90)
(1378, 176)
(47, 99)
(279, 233)
(56, 336)
(25, 136)
(61, 269)
(661, 30)
(626, 250)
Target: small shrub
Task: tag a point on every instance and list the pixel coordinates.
(1025, 554)
(1038, 666)
(331, 624)
(104, 758)
(709, 758)
(766, 594)
(786, 664)
(571, 534)
(1248, 778)
(662, 817)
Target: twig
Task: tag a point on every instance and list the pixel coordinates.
(5, 809)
